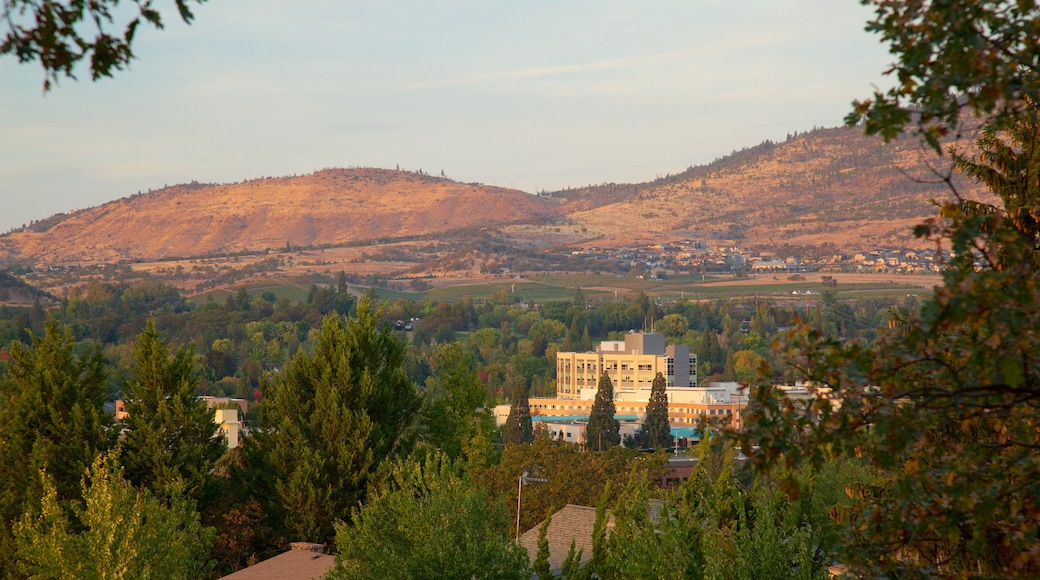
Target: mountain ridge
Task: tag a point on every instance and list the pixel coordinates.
(829, 187)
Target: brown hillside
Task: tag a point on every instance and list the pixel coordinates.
(828, 186)
(329, 207)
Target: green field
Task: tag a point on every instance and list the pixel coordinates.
(595, 287)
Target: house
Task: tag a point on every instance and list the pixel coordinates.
(303, 561)
(226, 415)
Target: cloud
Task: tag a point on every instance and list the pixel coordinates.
(697, 54)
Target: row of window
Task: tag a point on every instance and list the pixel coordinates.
(641, 408)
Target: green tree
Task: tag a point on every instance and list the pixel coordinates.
(51, 32)
(519, 428)
(657, 431)
(329, 422)
(603, 430)
(453, 408)
(541, 567)
(641, 547)
(672, 325)
(169, 435)
(724, 523)
(429, 522)
(51, 419)
(118, 531)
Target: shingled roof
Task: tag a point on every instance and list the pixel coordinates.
(304, 561)
(572, 523)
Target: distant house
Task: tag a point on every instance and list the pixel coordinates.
(226, 415)
(303, 561)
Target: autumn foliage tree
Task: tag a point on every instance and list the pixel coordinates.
(943, 406)
(53, 33)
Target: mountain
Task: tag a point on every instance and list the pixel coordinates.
(327, 208)
(827, 189)
(834, 188)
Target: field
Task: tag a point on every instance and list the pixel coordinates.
(598, 288)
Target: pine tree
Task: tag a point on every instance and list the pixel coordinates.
(329, 422)
(603, 430)
(541, 566)
(519, 428)
(51, 419)
(586, 341)
(656, 428)
(169, 433)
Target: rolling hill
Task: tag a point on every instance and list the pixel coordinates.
(327, 208)
(827, 188)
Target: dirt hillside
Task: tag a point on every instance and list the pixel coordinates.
(329, 207)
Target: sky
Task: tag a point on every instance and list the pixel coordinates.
(536, 95)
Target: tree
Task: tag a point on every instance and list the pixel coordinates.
(170, 435)
(1008, 163)
(519, 428)
(951, 56)
(657, 431)
(943, 406)
(603, 430)
(118, 531)
(429, 522)
(51, 419)
(52, 33)
(329, 422)
(453, 408)
(541, 567)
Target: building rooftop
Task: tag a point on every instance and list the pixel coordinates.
(303, 561)
(572, 523)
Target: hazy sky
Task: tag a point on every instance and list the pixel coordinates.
(531, 94)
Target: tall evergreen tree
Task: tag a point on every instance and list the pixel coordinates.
(169, 433)
(603, 430)
(541, 567)
(519, 428)
(656, 430)
(586, 342)
(51, 419)
(329, 422)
